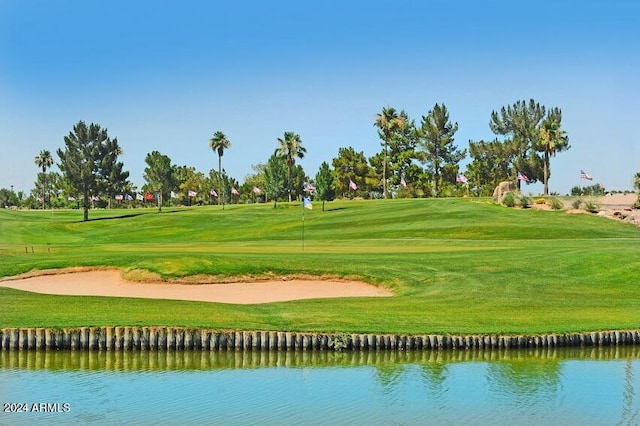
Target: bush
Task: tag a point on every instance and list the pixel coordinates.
(591, 206)
(576, 203)
(595, 189)
(509, 199)
(541, 201)
(636, 205)
(525, 202)
(556, 203)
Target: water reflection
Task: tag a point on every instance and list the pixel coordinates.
(522, 367)
(537, 386)
(526, 376)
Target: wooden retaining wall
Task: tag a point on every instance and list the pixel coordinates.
(175, 338)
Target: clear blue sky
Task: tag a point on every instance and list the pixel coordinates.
(164, 75)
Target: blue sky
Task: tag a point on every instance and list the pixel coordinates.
(166, 75)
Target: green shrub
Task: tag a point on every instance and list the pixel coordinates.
(576, 203)
(556, 203)
(592, 206)
(509, 199)
(525, 202)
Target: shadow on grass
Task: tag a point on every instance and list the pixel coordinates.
(130, 215)
(123, 216)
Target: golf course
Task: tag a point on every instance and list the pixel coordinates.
(453, 265)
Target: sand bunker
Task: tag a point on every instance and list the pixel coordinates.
(111, 283)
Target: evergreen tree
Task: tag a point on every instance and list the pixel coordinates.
(349, 166)
(389, 123)
(83, 161)
(275, 176)
(491, 163)
(113, 178)
(159, 175)
(520, 124)
(324, 184)
(189, 179)
(436, 136)
(298, 180)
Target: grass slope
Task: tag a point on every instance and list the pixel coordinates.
(455, 265)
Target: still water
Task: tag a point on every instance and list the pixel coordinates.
(592, 386)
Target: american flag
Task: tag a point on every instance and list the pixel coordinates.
(257, 190)
(234, 191)
(584, 175)
(462, 179)
(523, 177)
(403, 183)
(119, 197)
(213, 193)
(192, 193)
(352, 185)
(310, 188)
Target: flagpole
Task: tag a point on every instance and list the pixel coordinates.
(303, 225)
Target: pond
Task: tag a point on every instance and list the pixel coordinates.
(587, 386)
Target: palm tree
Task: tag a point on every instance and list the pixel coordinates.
(44, 160)
(552, 140)
(388, 122)
(289, 148)
(218, 143)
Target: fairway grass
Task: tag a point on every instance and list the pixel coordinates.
(454, 265)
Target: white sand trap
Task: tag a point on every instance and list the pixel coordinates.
(111, 283)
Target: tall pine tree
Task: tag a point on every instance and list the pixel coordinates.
(88, 160)
(436, 143)
(520, 123)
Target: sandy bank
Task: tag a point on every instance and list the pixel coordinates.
(111, 283)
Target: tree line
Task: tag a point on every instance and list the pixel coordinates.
(415, 160)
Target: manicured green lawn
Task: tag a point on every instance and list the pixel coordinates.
(455, 266)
